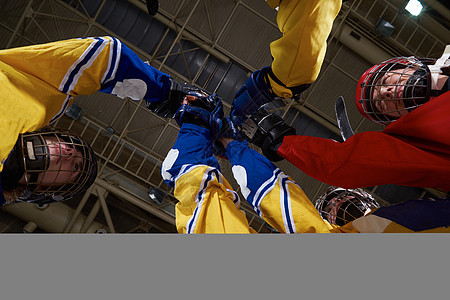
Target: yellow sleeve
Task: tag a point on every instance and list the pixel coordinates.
(31, 79)
(79, 62)
(207, 204)
(287, 208)
(298, 55)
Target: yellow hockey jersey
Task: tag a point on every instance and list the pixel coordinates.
(207, 203)
(39, 82)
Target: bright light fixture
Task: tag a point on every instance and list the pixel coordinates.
(414, 7)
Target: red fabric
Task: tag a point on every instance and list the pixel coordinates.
(412, 151)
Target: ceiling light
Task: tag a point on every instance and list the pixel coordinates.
(157, 195)
(384, 28)
(414, 7)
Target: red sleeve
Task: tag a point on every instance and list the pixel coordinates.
(375, 158)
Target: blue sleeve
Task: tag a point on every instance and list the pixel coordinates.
(254, 173)
(418, 215)
(126, 71)
(192, 148)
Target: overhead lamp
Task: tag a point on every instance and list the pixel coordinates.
(384, 28)
(414, 7)
(157, 195)
(75, 111)
(110, 130)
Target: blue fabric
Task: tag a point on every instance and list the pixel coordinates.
(250, 97)
(213, 118)
(261, 172)
(195, 148)
(418, 215)
(132, 67)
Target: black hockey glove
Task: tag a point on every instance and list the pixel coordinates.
(177, 92)
(267, 132)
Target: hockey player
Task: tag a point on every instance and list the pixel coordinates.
(207, 203)
(46, 166)
(39, 82)
(413, 151)
(395, 87)
(407, 94)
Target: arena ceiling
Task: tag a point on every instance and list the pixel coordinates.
(214, 44)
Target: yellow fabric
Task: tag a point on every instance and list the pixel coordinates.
(371, 223)
(298, 55)
(217, 213)
(273, 3)
(306, 217)
(30, 77)
(375, 224)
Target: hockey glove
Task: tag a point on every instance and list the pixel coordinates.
(251, 97)
(202, 111)
(172, 103)
(227, 130)
(267, 132)
(258, 91)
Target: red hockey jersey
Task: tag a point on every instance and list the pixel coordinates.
(412, 151)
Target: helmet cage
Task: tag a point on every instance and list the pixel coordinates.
(416, 91)
(36, 155)
(340, 206)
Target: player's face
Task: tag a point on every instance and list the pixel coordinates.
(66, 163)
(388, 92)
(333, 206)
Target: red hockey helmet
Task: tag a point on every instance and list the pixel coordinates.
(340, 206)
(391, 89)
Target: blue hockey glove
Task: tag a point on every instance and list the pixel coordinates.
(228, 130)
(251, 97)
(177, 92)
(203, 111)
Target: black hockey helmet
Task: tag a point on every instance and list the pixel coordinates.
(53, 165)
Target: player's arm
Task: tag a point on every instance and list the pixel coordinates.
(207, 202)
(297, 56)
(85, 66)
(272, 194)
(366, 159)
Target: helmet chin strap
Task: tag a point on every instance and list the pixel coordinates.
(435, 69)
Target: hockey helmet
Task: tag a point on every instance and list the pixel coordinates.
(340, 206)
(54, 165)
(392, 88)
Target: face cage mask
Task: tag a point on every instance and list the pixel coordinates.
(56, 174)
(416, 91)
(340, 206)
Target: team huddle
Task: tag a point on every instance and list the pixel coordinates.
(408, 95)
